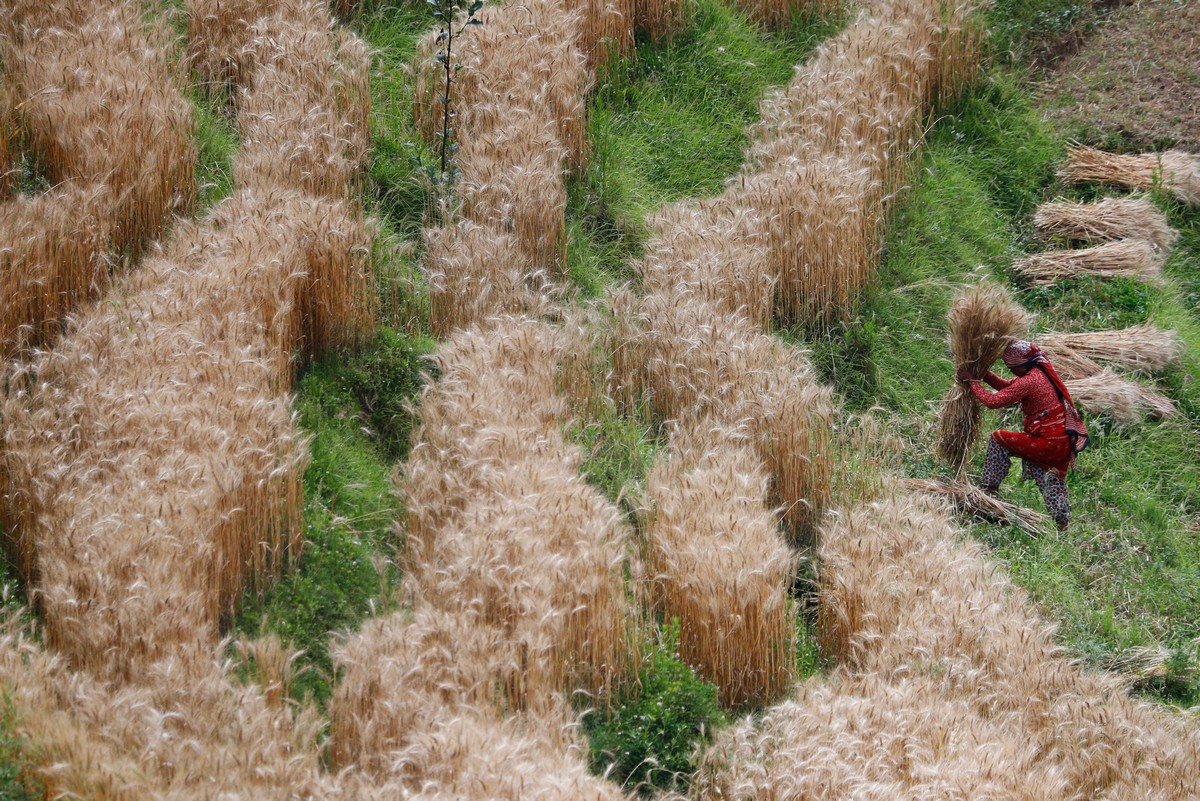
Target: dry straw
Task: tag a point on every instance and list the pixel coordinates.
(605, 31)
(1174, 171)
(475, 272)
(519, 113)
(795, 235)
(779, 13)
(982, 321)
(184, 731)
(971, 500)
(9, 172)
(847, 130)
(1141, 348)
(1124, 400)
(499, 516)
(152, 474)
(660, 19)
(152, 469)
(515, 572)
(1107, 220)
(1133, 258)
(415, 714)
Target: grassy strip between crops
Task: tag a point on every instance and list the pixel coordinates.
(353, 409)
(1124, 577)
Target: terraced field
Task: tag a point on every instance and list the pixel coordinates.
(329, 473)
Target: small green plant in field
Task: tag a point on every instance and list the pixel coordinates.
(454, 17)
(385, 377)
(649, 737)
(19, 761)
(217, 140)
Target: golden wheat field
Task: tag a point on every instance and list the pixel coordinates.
(161, 476)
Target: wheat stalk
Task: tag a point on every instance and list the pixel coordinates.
(1124, 400)
(948, 683)
(1143, 348)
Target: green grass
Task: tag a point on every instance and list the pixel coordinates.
(1024, 31)
(669, 124)
(217, 141)
(346, 571)
(618, 452)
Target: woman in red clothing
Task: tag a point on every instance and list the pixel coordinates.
(1053, 433)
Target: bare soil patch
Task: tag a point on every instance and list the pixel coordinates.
(1135, 83)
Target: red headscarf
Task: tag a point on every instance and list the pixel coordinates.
(1021, 353)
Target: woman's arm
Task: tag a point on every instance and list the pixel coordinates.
(996, 382)
(1013, 393)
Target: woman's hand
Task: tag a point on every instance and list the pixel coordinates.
(965, 375)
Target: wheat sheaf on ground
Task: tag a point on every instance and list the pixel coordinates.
(948, 685)
(983, 320)
(92, 97)
(970, 499)
(1124, 400)
(1140, 348)
(1107, 220)
(1174, 171)
(1132, 258)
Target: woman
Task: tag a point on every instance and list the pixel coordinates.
(1053, 433)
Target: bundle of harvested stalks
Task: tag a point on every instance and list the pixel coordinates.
(1175, 171)
(1106, 221)
(1135, 258)
(983, 320)
(1142, 348)
(1124, 400)
(971, 500)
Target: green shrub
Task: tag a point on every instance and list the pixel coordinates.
(650, 735)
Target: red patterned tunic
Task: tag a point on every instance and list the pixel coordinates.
(1044, 441)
